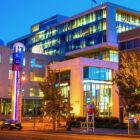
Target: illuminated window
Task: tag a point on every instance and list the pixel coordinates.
(95, 73)
(11, 59)
(54, 41)
(104, 25)
(110, 56)
(101, 94)
(54, 30)
(36, 77)
(36, 63)
(41, 93)
(10, 77)
(35, 28)
(32, 92)
(37, 48)
(104, 13)
(9, 91)
(127, 21)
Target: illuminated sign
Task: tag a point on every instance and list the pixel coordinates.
(19, 47)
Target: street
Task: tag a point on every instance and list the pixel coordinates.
(42, 135)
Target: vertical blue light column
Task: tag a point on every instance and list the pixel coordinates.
(18, 55)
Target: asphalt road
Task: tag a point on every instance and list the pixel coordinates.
(35, 135)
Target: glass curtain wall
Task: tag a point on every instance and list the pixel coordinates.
(98, 89)
(126, 21)
(101, 95)
(84, 31)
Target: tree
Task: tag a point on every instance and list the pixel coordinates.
(54, 103)
(128, 81)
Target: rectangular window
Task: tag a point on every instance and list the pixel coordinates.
(35, 28)
(32, 92)
(41, 93)
(36, 77)
(10, 77)
(129, 44)
(122, 46)
(95, 73)
(137, 43)
(36, 63)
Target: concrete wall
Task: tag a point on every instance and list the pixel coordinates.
(6, 83)
(76, 82)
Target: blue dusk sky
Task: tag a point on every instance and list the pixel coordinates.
(17, 16)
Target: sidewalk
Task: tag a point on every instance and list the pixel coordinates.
(43, 128)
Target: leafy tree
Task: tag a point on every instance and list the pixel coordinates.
(54, 103)
(128, 81)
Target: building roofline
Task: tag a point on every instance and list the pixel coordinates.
(100, 7)
(52, 17)
(118, 7)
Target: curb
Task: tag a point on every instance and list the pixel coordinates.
(81, 133)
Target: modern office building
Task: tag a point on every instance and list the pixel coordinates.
(84, 49)
(130, 41)
(34, 73)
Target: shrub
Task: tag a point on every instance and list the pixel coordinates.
(100, 122)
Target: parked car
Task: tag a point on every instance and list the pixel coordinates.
(11, 124)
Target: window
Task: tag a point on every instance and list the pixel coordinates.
(90, 41)
(11, 59)
(41, 93)
(36, 63)
(95, 73)
(129, 44)
(32, 92)
(36, 77)
(123, 46)
(10, 77)
(35, 28)
(137, 43)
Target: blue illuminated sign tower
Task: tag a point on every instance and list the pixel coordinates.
(18, 55)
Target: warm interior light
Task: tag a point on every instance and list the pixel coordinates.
(23, 77)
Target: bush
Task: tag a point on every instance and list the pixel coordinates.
(106, 122)
(100, 122)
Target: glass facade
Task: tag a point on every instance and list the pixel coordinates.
(88, 30)
(125, 21)
(98, 89)
(110, 55)
(81, 32)
(96, 73)
(56, 38)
